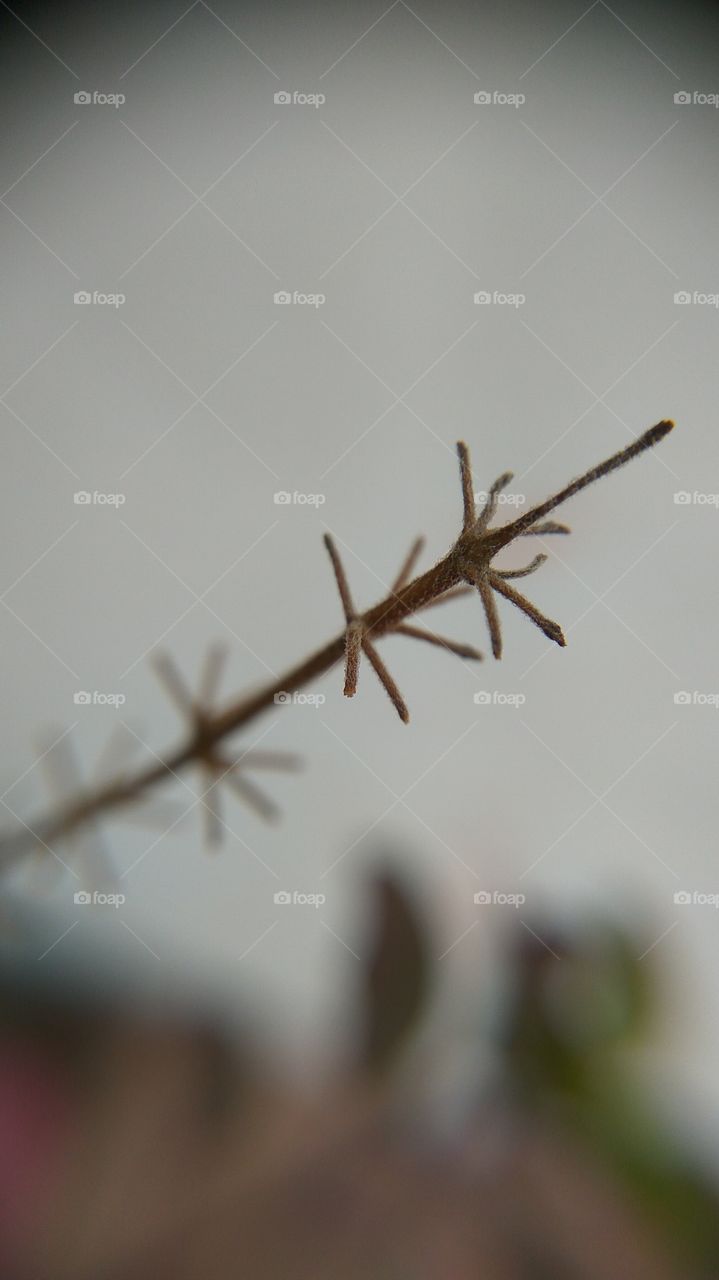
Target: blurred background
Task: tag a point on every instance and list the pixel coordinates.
(493, 222)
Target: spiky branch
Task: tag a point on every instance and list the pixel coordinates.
(467, 566)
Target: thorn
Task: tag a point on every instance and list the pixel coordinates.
(465, 472)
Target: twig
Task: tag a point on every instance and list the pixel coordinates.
(467, 564)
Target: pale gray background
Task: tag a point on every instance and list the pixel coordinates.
(397, 199)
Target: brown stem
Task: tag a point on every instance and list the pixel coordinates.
(642, 442)
(115, 795)
(444, 581)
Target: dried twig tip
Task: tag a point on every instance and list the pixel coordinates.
(479, 543)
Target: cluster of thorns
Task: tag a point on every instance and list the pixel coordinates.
(467, 567)
(471, 559)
